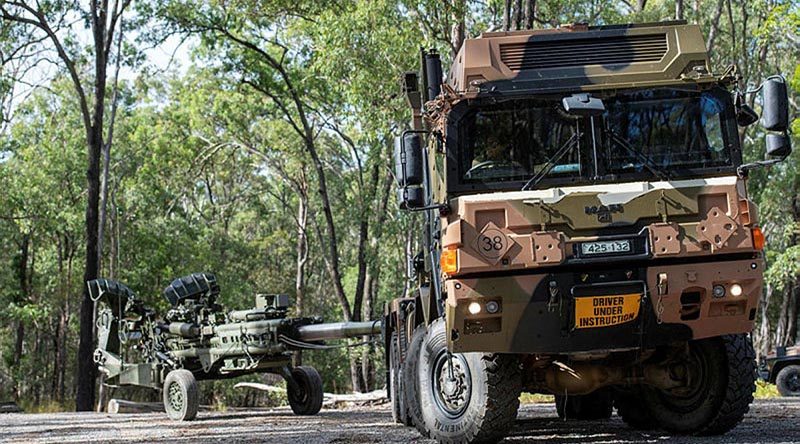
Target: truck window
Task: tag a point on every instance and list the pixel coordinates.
(675, 129)
(510, 141)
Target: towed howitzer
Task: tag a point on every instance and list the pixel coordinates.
(198, 340)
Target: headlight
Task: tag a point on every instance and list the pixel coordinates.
(736, 290)
(474, 308)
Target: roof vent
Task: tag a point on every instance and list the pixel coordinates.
(621, 50)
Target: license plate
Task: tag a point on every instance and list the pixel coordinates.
(605, 247)
(606, 311)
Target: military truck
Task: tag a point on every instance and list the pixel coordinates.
(587, 232)
(782, 368)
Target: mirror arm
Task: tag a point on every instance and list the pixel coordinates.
(443, 208)
(742, 170)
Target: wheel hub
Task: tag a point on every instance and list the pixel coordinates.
(452, 384)
(794, 382)
(175, 396)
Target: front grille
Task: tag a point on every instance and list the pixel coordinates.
(581, 52)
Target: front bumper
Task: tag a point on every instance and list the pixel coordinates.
(537, 312)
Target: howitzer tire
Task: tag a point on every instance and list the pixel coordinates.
(721, 372)
(411, 382)
(788, 381)
(396, 352)
(466, 397)
(181, 398)
(589, 407)
(305, 396)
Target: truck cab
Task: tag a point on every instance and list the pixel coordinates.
(587, 229)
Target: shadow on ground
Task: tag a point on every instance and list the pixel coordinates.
(770, 421)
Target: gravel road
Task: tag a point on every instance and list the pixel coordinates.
(769, 421)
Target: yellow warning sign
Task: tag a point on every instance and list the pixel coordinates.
(605, 311)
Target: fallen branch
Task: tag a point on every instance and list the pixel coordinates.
(116, 406)
(9, 407)
(328, 399)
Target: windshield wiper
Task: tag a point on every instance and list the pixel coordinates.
(567, 147)
(646, 161)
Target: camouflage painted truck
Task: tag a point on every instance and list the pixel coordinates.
(587, 232)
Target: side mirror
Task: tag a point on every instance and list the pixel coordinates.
(408, 159)
(779, 145)
(409, 171)
(775, 116)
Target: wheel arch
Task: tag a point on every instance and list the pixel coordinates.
(780, 364)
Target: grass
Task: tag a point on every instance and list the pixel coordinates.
(765, 390)
(46, 407)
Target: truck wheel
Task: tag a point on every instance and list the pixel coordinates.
(466, 397)
(788, 381)
(399, 409)
(633, 412)
(180, 395)
(306, 398)
(721, 380)
(411, 382)
(593, 406)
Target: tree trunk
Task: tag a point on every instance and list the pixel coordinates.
(530, 13)
(712, 35)
(84, 400)
(678, 9)
(458, 31)
(302, 252)
(507, 16)
(791, 316)
(764, 342)
(518, 14)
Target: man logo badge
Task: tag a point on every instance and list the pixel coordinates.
(604, 212)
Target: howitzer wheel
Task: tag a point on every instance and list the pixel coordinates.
(788, 381)
(180, 394)
(305, 395)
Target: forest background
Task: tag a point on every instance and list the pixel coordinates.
(142, 141)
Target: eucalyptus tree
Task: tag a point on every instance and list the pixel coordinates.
(53, 27)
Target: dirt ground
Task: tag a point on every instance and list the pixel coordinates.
(769, 421)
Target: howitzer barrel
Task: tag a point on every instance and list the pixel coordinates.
(338, 330)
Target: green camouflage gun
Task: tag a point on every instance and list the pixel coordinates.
(198, 340)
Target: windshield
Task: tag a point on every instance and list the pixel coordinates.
(655, 133)
(510, 141)
(673, 129)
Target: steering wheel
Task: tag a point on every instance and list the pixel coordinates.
(480, 166)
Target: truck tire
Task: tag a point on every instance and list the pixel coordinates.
(788, 381)
(180, 395)
(411, 383)
(478, 403)
(590, 407)
(633, 412)
(399, 409)
(723, 373)
(306, 399)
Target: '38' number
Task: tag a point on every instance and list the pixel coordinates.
(494, 243)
